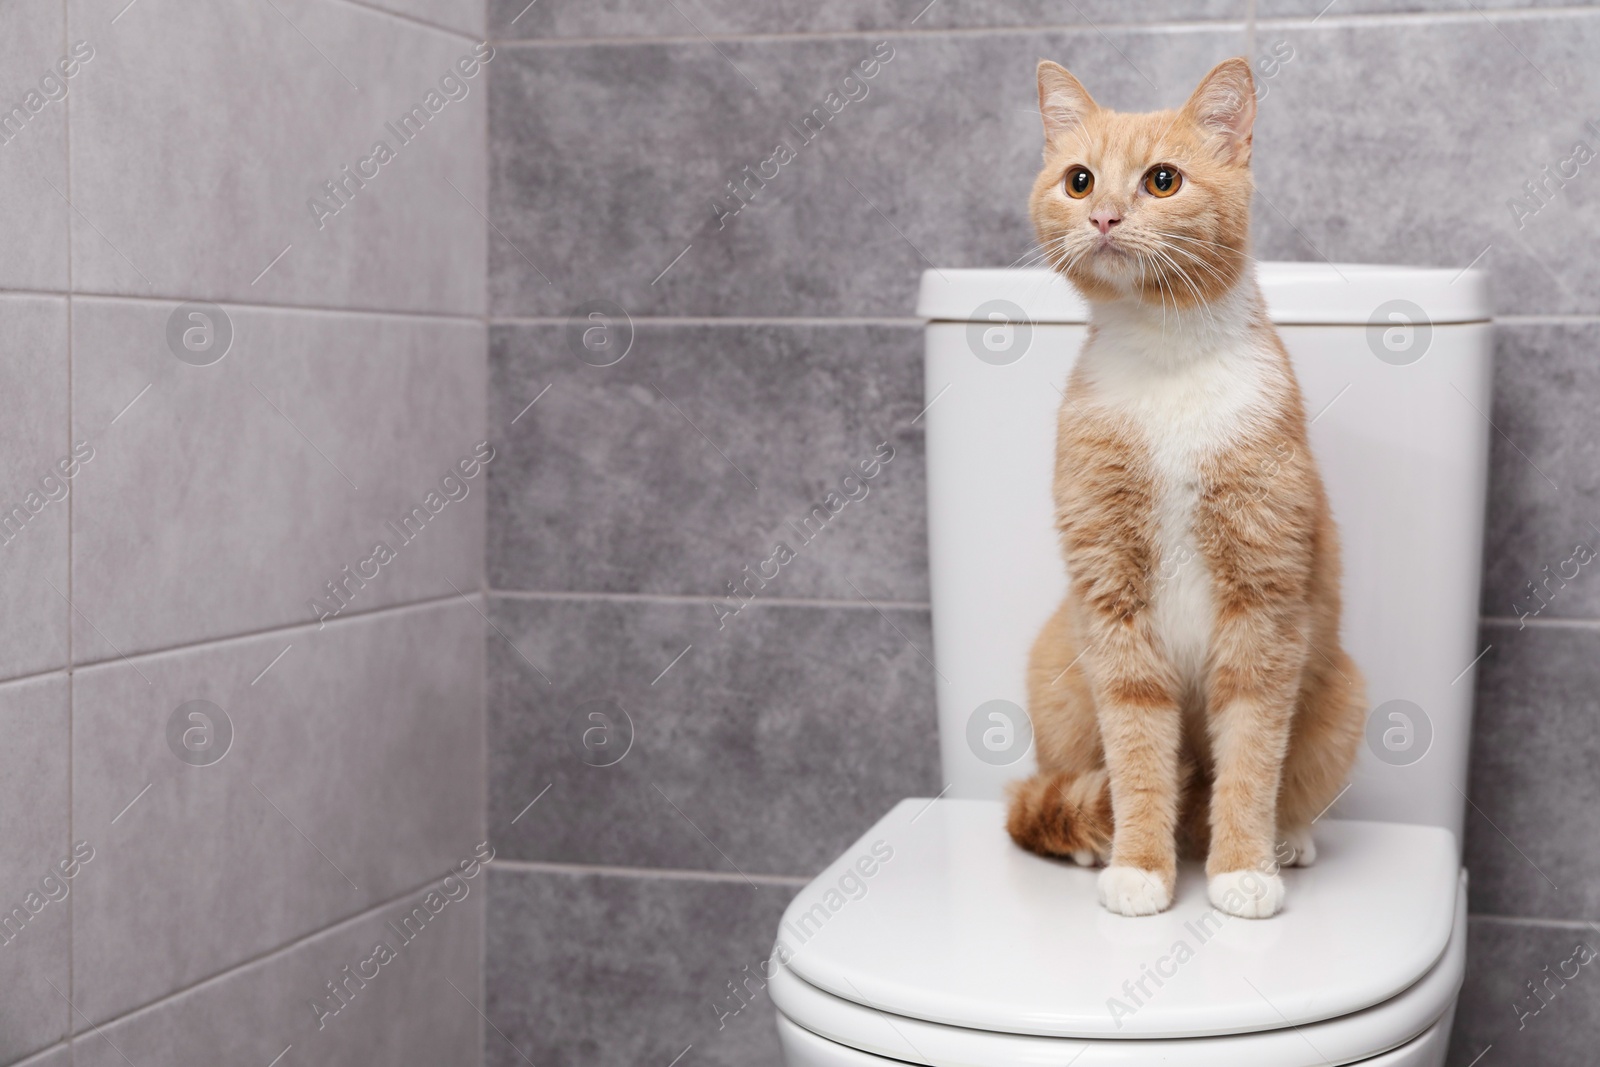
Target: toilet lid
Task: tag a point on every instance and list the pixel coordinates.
(935, 915)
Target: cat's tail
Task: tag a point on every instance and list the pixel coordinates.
(1063, 813)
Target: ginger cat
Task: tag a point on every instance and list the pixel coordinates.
(1192, 684)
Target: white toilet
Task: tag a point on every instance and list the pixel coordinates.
(934, 940)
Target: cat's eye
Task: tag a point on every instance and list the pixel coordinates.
(1162, 180)
(1079, 182)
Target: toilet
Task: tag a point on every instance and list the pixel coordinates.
(934, 940)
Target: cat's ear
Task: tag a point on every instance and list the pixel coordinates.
(1225, 106)
(1063, 101)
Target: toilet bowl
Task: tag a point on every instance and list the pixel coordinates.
(934, 940)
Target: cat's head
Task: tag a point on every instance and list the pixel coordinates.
(1154, 206)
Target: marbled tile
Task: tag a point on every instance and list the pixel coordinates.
(354, 773)
(687, 461)
(226, 498)
(592, 970)
(1557, 1026)
(1410, 141)
(203, 134)
(1532, 843)
(1544, 485)
(767, 747)
(35, 459)
(418, 1009)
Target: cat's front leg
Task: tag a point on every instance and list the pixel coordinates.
(1141, 729)
(1258, 658)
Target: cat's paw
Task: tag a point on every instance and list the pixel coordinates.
(1133, 891)
(1249, 894)
(1087, 857)
(1297, 849)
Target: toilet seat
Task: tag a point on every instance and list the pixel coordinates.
(958, 951)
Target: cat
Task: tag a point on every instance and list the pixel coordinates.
(1191, 687)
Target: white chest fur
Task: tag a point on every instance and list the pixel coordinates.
(1189, 388)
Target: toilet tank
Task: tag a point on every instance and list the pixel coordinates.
(1394, 363)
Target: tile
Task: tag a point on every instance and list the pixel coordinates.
(670, 471)
(1531, 839)
(1544, 493)
(1267, 9)
(591, 970)
(225, 498)
(639, 18)
(59, 1056)
(399, 1013)
(465, 16)
(941, 146)
(354, 773)
(34, 491)
(767, 748)
(1415, 101)
(33, 142)
(35, 897)
(299, 89)
(1553, 1027)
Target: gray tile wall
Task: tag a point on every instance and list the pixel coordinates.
(169, 523)
(761, 351)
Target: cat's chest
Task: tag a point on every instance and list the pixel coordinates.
(1184, 419)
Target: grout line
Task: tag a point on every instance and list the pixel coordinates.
(1173, 26)
(280, 950)
(365, 5)
(1519, 920)
(72, 697)
(1471, 14)
(286, 628)
(670, 874)
(1539, 624)
(1542, 320)
(728, 320)
(668, 598)
(323, 309)
(897, 32)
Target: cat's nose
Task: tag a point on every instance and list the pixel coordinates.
(1103, 218)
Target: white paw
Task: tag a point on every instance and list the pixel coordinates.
(1133, 891)
(1297, 849)
(1085, 857)
(1247, 894)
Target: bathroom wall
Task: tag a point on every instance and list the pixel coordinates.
(663, 771)
(215, 398)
